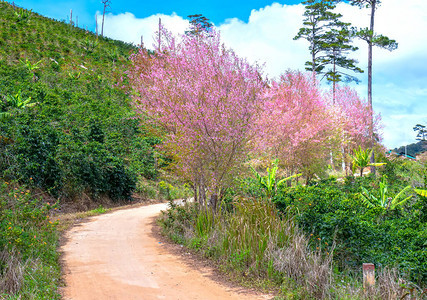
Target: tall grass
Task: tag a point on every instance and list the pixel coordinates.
(251, 228)
(253, 240)
(12, 276)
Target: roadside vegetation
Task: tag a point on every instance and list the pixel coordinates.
(68, 136)
(310, 241)
(29, 261)
(311, 213)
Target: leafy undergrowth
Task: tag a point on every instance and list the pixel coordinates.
(29, 266)
(256, 245)
(330, 210)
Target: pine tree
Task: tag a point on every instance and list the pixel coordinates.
(318, 20)
(329, 40)
(198, 24)
(368, 35)
(337, 46)
(422, 132)
(373, 39)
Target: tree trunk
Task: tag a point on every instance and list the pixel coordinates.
(213, 202)
(103, 15)
(160, 34)
(333, 82)
(96, 25)
(371, 28)
(313, 55)
(372, 160)
(195, 192)
(343, 163)
(202, 193)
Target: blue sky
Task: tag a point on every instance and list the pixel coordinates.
(217, 11)
(263, 32)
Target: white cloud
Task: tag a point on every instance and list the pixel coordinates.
(126, 27)
(268, 37)
(399, 89)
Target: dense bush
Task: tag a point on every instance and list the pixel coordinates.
(29, 263)
(330, 211)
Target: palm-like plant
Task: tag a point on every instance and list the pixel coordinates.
(15, 102)
(385, 200)
(23, 15)
(268, 182)
(421, 192)
(89, 45)
(361, 160)
(30, 67)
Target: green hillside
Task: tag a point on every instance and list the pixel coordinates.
(412, 149)
(65, 126)
(66, 130)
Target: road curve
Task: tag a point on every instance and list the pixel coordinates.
(116, 256)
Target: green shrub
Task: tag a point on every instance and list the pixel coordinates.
(169, 192)
(29, 266)
(334, 212)
(34, 149)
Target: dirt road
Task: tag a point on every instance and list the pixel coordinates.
(116, 256)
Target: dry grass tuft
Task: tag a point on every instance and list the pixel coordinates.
(311, 271)
(389, 286)
(11, 272)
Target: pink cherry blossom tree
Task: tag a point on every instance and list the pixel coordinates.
(206, 99)
(295, 125)
(352, 118)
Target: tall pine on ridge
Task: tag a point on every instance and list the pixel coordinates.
(329, 40)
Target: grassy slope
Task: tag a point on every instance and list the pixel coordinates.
(71, 74)
(40, 38)
(83, 120)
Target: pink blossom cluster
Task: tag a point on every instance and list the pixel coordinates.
(205, 97)
(295, 125)
(212, 105)
(353, 117)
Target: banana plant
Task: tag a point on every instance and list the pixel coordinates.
(421, 192)
(30, 67)
(361, 160)
(23, 15)
(15, 102)
(385, 200)
(268, 182)
(89, 45)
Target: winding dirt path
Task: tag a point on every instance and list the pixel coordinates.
(116, 256)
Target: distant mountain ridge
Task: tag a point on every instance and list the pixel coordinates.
(412, 149)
